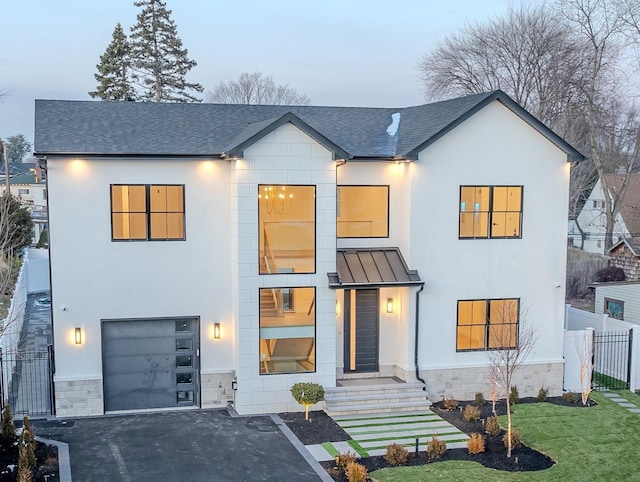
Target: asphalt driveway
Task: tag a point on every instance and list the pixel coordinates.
(194, 445)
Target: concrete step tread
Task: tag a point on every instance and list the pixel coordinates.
(373, 386)
(389, 414)
(376, 396)
(375, 407)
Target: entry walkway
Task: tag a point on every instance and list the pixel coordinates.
(623, 402)
(372, 433)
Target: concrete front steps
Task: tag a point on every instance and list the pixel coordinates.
(375, 396)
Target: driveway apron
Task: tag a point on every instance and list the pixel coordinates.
(190, 445)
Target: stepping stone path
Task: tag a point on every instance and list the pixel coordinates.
(623, 402)
(371, 433)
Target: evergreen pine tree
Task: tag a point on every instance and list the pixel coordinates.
(158, 57)
(114, 70)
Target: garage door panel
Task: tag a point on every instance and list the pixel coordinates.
(150, 363)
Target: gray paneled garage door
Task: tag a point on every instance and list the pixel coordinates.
(150, 363)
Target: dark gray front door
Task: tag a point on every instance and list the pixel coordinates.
(361, 331)
(150, 363)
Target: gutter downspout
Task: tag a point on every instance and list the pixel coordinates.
(416, 340)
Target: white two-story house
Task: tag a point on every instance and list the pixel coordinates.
(205, 254)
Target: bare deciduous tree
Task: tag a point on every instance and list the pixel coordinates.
(256, 89)
(584, 348)
(583, 178)
(605, 28)
(527, 53)
(513, 347)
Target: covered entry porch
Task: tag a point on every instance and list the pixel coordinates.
(376, 311)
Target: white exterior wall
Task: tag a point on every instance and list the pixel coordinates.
(285, 156)
(493, 147)
(593, 222)
(629, 293)
(94, 278)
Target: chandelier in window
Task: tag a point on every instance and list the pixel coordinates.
(273, 199)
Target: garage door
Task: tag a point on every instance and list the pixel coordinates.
(150, 363)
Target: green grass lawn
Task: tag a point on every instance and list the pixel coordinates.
(597, 443)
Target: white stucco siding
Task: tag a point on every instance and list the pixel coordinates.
(493, 147)
(396, 176)
(95, 278)
(285, 156)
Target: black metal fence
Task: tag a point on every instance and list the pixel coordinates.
(612, 359)
(26, 381)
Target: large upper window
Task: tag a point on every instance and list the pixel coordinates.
(363, 211)
(490, 211)
(287, 229)
(147, 212)
(487, 324)
(287, 330)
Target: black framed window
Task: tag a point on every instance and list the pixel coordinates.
(287, 330)
(487, 324)
(147, 212)
(490, 212)
(363, 211)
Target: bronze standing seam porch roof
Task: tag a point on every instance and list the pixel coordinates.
(372, 267)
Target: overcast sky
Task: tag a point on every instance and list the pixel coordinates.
(342, 53)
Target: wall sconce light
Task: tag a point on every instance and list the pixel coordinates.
(337, 308)
(78, 336)
(216, 331)
(234, 384)
(389, 305)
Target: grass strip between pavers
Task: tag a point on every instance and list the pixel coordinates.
(424, 436)
(383, 424)
(451, 431)
(328, 446)
(358, 448)
(431, 415)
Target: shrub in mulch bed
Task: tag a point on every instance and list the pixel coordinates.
(46, 462)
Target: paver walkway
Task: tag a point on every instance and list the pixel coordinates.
(371, 433)
(623, 402)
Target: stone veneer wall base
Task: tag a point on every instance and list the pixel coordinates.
(464, 383)
(79, 398)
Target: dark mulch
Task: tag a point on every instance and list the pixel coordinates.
(318, 429)
(322, 429)
(46, 462)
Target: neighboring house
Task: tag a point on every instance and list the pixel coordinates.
(626, 255)
(197, 249)
(32, 189)
(592, 218)
(619, 300)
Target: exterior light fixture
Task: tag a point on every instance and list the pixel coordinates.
(78, 336)
(234, 384)
(216, 331)
(389, 305)
(337, 308)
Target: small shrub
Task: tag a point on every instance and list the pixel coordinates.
(307, 394)
(516, 441)
(8, 430)
(570, 397)
(436, 448)
(492, 426)
(344, 459)
(471, 413)
(356, 472)
(396, 454)
(26, 452)
(479, 400)
(475, 444)
(611, 273)
(450, 404)
(543, 394)
(514, 395)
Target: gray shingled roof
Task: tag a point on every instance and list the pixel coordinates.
(157, 129)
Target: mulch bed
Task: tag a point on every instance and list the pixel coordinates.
(322, 428)
(46, 462)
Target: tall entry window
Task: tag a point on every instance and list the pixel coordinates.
(363, 211)
(147, 212)
(487, 324)
(490, 211)
(287, 229)
(287, 330)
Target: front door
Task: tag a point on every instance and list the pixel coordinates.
(360, 331)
